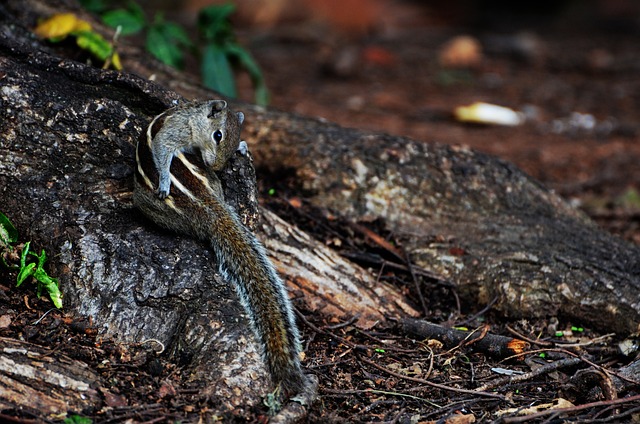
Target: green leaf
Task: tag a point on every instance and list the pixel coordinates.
(246, 61)
(25, 272)
(261, 95)
(176, 33)
(216, 71)
(94, 6)
(166, 41)
(213, 22)
(45, 281)
(50, 285)
(23, 255)
(8, 233)
(94, 43)
(129, 20)
(162, 49)
(77, 419)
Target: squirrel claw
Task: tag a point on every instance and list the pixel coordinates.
(162, 194)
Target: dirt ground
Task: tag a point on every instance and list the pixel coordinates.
(578, 88)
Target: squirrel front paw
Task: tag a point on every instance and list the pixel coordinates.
(162, 194)
(163, 187)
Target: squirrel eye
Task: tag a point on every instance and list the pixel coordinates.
(217, 136)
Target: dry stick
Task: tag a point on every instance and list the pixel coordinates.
(570, 409)
(382, 392)
(477, 314)
(470, 340)
(524, 377)
(576, 359)
(377, 260)
(401, 255)
(343, 324)
(491, 343)
(588, 342)
(429, 383)
(425, 310)
(377, 239)
(382, 342)
(527, 339)
(582, 358)
(431, 354)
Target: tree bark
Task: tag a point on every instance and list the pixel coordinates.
(45, 382)
(66, 159)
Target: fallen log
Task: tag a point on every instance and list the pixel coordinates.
(45, 383)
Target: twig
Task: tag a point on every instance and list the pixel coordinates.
(43, 316)
(429, 383)
(378, 260)
(527, 339)
(345, 341)
(377, 239)
(477, 314)
(382, 392)
(343, 324)
(587, 361)
(560, 411)
(491, 343)
(529, 375)
(589, 342)
(416, 283)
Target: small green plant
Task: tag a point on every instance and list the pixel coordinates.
(77, 419)
(220, 50)
(272, 401)
(30, 264)
(67, 25)
(165, 40)
(217, 48)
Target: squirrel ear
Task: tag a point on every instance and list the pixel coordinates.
(217, 106)
(240, 118)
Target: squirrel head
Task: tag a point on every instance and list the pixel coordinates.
(221, 137)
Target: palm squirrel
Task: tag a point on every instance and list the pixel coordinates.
(184, 194)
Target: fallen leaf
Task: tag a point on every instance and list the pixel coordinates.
(5, 321)
(60, 25)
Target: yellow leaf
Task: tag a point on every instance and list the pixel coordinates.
(60, 25)
(115, 62)
(82, 25)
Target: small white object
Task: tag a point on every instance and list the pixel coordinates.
(243, 148)
(487, 113)
(505, 371)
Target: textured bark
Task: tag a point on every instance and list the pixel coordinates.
(46, 383)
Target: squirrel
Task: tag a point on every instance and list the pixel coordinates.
(182, 193)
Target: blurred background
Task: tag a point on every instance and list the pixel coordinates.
(565, 75)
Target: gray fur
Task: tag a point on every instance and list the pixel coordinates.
(189, 128)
